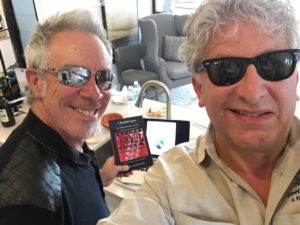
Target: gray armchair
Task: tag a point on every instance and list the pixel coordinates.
(128, 64)
(162, 34)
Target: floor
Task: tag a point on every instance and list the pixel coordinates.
(184, 96)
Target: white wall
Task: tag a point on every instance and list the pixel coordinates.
(144, 8)
(122, 16)
(5, 44)
(296, 4)
(7, 52)
(46, 8)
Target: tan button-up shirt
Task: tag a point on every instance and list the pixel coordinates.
(191, 185)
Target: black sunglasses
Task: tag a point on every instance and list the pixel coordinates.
(272, 66)
(79, 76)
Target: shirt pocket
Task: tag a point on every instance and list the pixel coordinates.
(184, 219)
(290, 219)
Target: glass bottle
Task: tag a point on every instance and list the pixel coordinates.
(7, 118)
(1, 26)
(136, 89)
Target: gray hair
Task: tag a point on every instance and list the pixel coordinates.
(272, 16)
(37, 54)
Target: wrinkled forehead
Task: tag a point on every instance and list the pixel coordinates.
(80, 49)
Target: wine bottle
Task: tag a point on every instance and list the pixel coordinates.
(7, 118)
(1, 27)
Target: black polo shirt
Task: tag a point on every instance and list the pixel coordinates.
(82, 199)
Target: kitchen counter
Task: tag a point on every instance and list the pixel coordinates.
(197, 116)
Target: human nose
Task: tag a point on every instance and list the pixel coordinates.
(251, 88)
(91, 90)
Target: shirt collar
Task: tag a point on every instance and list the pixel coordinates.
(287, 163)
(206, 146)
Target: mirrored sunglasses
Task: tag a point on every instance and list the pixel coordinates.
(79, 76)
(272, 66)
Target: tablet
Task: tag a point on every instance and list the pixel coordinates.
(164, 134)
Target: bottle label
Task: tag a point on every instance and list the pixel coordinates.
(3, 116)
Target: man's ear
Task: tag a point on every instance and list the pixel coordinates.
(33, 81)
(199, 87)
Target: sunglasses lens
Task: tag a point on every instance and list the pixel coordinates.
(104, 80)
(276, 66)
(226, 71)
(73, 76)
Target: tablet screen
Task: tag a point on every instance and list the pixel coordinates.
(165, 134)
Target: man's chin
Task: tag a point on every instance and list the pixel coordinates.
(91, 129)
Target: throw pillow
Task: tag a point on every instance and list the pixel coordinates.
(171, 47)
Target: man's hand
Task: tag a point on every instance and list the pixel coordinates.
(110, 170)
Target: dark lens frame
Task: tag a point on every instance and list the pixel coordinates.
(241, 65)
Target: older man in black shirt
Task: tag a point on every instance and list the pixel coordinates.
(48, 175)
